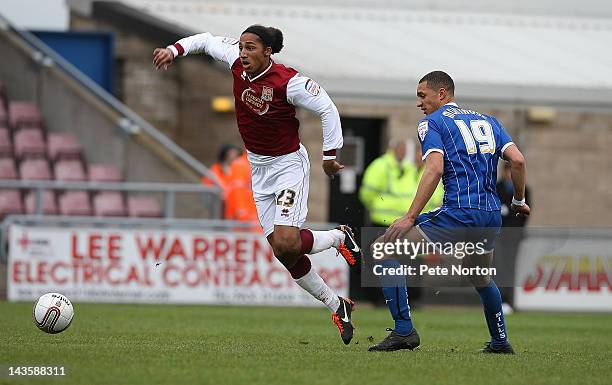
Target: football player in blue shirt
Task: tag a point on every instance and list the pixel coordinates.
(462, 147)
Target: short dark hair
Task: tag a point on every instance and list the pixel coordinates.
(269, 36)
(225, 149)
(439, 79)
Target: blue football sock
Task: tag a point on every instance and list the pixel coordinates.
(492, 303)
(396, 298)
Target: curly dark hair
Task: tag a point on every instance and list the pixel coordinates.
(269, 36)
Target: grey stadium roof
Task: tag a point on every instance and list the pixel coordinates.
(362, 49)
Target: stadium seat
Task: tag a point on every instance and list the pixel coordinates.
(3, 107)
(144, 206)
(74, 203)
(70, 170)
(3, 115)
(109, 203)
(104, 173)
(31, 126)
(10, 202)
(29, 143)
(24, 113)
(49, 204)
(6, 147)
(2, 93)
(63, 146)
(7, 168)
(35, 169)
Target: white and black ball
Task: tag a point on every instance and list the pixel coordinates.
(53, 313)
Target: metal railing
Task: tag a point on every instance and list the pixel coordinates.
(169, 190)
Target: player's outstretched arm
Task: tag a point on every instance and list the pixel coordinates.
(220, 48)
(518, 173)
(434, 168)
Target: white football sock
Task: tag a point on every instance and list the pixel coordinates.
(315, 285)
(323, 240)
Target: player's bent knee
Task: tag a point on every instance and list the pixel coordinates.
(286, 246)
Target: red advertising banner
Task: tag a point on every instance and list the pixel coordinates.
(570, 274)
(156, 266)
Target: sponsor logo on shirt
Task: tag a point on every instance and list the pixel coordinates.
(254, 102)
(422, 130)
(267, 94)
(312, 87)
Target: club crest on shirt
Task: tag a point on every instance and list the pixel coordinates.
(267, 93)
(422, 130)
(254, 102)
(312, 87)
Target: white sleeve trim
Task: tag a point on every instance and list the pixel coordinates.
(173, 49)
(430, 151)
(306, 93)
(506, 146)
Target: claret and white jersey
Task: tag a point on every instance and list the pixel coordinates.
(265, 113)
(265, 105)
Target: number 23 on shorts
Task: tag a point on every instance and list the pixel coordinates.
(286, 198)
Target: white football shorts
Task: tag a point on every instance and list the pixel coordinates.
(280, 188)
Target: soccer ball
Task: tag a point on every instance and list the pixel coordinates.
(53, 313)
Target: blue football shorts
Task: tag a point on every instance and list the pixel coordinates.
(454, 225)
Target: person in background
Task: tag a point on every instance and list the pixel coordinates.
(388, 187)
(239, 203)
(509, 238)
(227, 154)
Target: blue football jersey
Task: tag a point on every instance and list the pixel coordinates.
(471, 143)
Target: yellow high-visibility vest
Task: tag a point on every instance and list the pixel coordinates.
(388, 189)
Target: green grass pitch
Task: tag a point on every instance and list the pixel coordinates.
(155, 344)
